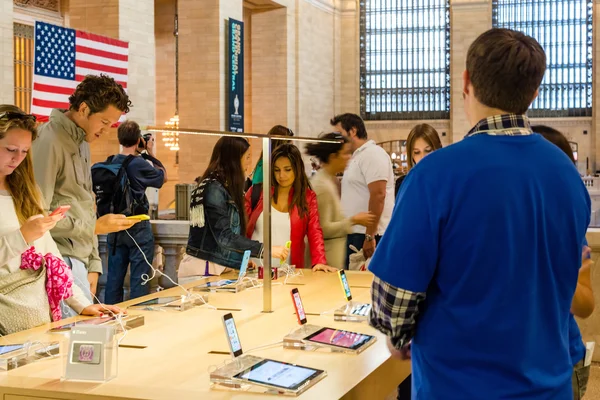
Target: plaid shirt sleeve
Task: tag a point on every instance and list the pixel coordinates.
(394, 311)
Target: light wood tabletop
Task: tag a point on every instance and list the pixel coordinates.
(176, 359)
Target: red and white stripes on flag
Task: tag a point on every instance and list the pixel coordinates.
(62, 59)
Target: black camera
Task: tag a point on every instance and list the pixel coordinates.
(144, 142)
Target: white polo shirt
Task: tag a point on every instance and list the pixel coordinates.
(369, 163)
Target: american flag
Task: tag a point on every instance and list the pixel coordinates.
(63, 57)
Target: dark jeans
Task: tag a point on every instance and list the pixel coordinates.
(356, 239)
(581, 375)
(122, 252)
(404, 392)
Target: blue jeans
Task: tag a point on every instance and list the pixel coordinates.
(123, 252)
(80, 279)
(356, 239)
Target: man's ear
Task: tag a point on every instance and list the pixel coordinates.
(352, 132)
(535, 95)
(466, 83)
(84, 110)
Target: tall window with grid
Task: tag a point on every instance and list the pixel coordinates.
(404, 59)
(564, 29)
(23, 61)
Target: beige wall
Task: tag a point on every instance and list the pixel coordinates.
(6, 46)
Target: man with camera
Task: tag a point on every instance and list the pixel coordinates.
(142, 171)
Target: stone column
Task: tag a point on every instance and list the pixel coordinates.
(347, 58)
(470, 18)
(172, 236)
(7, 92)
(136, 26)
(269, 70)
(202, 66)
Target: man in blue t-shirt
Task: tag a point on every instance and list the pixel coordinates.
(143, 171)
(479, 265)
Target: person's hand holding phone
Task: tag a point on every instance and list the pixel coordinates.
(36, 226)
(280, 252)
(110, 223)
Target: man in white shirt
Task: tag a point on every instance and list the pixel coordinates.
(367, 185)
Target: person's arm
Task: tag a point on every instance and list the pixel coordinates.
(376, 203)
(405, 261)
(12, 245)
(78, 301)
(583, 300)
(315, 233)
(156, 173)
(94, 266)
(218, 221)
(331, 228)
(394, 312)
(376, 171)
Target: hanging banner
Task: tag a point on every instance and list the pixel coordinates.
(236, 76)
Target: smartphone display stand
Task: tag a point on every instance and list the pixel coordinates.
(224, 378)
(231, 288)
(296, 341)
(91, 354)
(345, 313)
(30, 353)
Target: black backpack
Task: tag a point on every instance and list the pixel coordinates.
(112, 188)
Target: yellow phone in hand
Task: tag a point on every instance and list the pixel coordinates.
(141, 217)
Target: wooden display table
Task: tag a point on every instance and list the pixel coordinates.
(176, 361)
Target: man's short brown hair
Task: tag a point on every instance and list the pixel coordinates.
(506, 68)
(99, 92)
(129, 133)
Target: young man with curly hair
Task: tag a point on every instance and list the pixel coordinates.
(62, 170)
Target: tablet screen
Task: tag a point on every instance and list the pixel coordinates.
(279, 374)
(158, 301)
(10, 347)
(339, 338)
(91, 321)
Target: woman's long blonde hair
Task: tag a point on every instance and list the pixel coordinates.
(21, 183)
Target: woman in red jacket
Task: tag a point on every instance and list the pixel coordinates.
(294, 210)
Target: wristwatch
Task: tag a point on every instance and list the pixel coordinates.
(368, 237)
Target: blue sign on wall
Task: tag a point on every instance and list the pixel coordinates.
(236, 76)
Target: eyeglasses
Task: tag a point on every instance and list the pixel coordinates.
(9, 115)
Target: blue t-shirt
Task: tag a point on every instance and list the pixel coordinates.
(576, 346)
(141, 176)
(491, 229)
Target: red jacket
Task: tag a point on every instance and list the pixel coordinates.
(301, 227)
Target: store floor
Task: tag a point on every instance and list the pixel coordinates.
(593, 389)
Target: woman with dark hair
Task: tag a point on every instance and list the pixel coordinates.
(422, 140)
(295, 214)
(557, 138)
(336, 226)
(217, 219)
(583, 300)
(257, 174)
